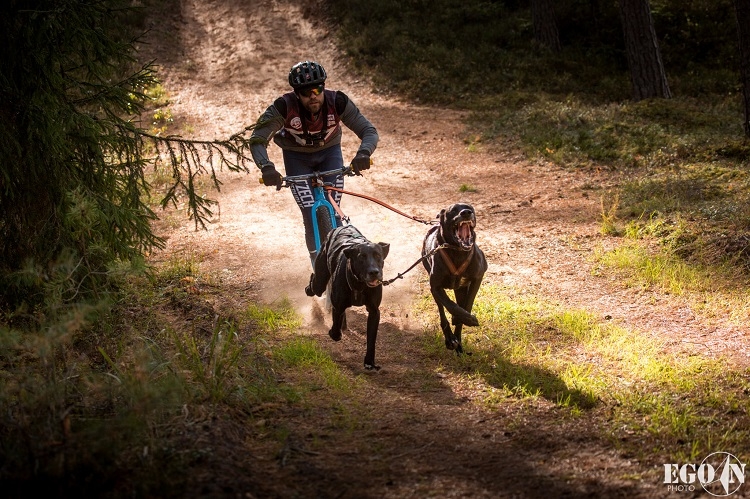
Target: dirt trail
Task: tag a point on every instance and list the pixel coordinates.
(223, 63)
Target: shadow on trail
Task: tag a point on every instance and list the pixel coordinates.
(516, 379)
(529, 380)
(425, 436)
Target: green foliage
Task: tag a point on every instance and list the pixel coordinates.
(75, 410)
(214, 366)
(647, 134)
(668, 273)
(102, 399)
(699, 211)
(448, 51)
(71, 165)
(574, 108)
(712, 290)
(72, 155)
(609, 218)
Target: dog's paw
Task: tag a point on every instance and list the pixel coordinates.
(335, 335)
(309, 288)
(465, 319)
(372, 367)
(452, 343)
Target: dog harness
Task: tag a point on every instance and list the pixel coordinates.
(440, 248)
(349, 236)
(356, 285)
(451, 266)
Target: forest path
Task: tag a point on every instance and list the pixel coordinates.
(223, 63)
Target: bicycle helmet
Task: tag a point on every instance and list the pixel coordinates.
(306, 74)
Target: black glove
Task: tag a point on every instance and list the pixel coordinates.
(271, 177)
(361, 162)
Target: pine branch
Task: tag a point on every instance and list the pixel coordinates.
(190, 158)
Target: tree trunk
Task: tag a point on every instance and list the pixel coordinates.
(642, 47)
(545, 24)
(742, 10)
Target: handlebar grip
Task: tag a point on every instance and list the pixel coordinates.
(278, 187)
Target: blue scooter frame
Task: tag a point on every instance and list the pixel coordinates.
(320, 200)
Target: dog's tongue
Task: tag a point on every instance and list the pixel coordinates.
(464, 232)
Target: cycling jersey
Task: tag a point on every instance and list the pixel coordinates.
(305, 132)
(274, 119)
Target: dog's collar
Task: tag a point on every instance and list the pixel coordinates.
(350, 275)
(451, 266)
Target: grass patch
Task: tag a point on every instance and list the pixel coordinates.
(106, 390)
(683, 159)
(321, 385)
(280, 315)
(711, 291)
(318, 369)
(213, 365)
(654, 269)
(648, 397)
(698, 212)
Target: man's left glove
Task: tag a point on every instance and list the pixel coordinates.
(361, 162)
(270, 176)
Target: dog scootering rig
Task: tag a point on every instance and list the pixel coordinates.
(325, 209)
(439, 248)
(381, 203)
(329, 188)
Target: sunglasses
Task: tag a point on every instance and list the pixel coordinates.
(312, 91)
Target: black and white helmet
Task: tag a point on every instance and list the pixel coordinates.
(306, 74)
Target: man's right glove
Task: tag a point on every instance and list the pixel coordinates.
(271, 177)
(360, 162)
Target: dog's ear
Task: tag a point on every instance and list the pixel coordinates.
(351, 252)
(441, 215)
(385, 247)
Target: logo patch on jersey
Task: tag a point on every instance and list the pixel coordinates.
(296, 123)
(331, 120)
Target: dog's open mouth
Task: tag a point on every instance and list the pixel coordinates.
(374, 283)
(464, 234)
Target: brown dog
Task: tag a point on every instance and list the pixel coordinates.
(459, 266)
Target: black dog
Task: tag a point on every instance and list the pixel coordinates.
(354, 267)
(459, 265)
